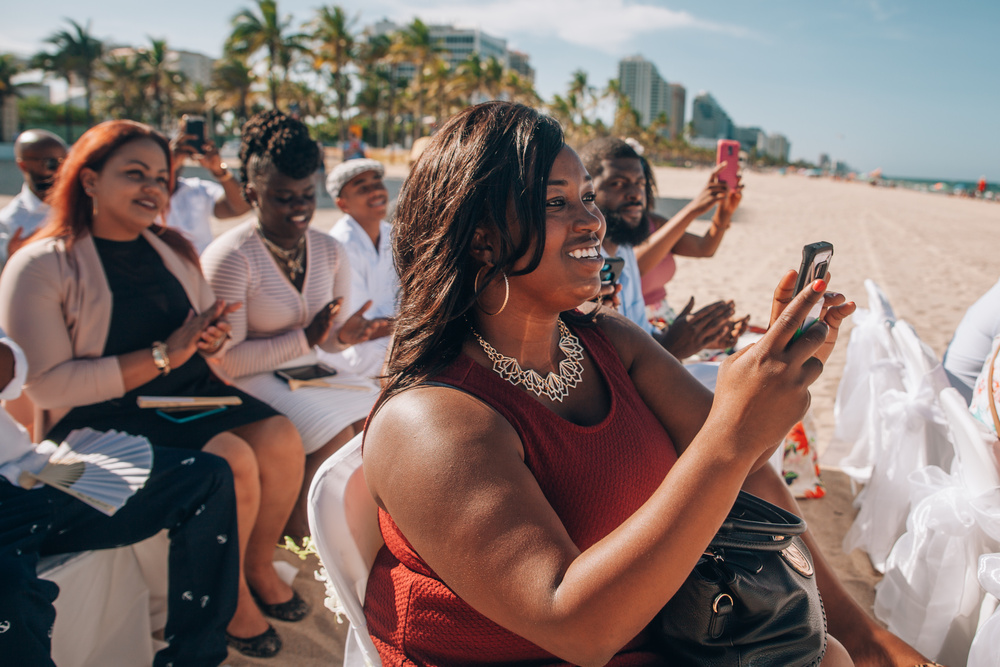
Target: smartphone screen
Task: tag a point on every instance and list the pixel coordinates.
(816, 259)
(195, 125)
(311, 372)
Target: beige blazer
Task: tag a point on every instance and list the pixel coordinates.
(56, 304)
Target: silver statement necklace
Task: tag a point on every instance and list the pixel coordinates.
(555, 387)
(292, 259)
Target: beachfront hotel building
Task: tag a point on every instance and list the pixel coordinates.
(709, 120)
(457, 44)
(775, 145)
(646, 90)
(678, 102)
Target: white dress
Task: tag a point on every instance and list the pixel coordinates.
(268, 331)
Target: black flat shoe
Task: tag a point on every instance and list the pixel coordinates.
(291, 610)
(265, 645)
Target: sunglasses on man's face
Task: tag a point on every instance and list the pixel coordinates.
(50, 163)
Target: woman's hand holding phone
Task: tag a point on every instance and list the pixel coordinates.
(835, 309)
(763, 389)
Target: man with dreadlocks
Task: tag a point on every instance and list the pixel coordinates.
(292, 281)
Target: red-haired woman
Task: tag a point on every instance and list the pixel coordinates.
(110, 305)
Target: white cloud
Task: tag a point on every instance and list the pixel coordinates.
(606, 25)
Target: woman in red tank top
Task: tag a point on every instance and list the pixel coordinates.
(546, 479)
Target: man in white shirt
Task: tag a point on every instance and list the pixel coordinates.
(359, 191)
(196, 200)
(38, 154)
(188, 492)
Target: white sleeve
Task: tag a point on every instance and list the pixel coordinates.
(13, 388)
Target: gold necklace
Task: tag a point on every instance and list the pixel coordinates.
(291, 258)
(555, 387)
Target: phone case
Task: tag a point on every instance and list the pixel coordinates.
(612, 269)
(728, 151)
(184, 416)
(816, 259)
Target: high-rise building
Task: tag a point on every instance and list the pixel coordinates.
(645, 89)
(518, 61)
(708, 119)
(775, 145)
(196, 67)
(678, 102)
(747, 136)
(457, 44)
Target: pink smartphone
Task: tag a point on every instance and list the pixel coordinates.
(728, 151)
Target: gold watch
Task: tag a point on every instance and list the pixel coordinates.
(160, 357)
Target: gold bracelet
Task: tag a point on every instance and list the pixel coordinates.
(161, 358)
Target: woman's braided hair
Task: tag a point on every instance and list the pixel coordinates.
(272, 138)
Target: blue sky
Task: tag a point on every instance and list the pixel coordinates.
(906, 85)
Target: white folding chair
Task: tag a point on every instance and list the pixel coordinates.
(343, 519)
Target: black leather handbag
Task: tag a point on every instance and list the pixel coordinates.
(752, 598)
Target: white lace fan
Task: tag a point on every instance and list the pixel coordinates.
(102, 469)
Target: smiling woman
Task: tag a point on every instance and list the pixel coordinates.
(546, 479)
(109, 305)
(292, 281)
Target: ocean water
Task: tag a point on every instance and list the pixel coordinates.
(946, 187)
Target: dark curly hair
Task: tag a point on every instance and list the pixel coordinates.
(272, 138)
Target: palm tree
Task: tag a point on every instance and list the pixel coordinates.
(76, 58)
(232, 81)
(9, 68)
(335, 52)
(265, 31)
(121, 80)
(517, 88)
(479, 80)
(584, 94)
(415, 45)
(626, 122)
(162, 82)
(380, 83)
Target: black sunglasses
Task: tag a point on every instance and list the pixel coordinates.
(51, 163)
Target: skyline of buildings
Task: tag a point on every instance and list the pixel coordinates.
(650, 94)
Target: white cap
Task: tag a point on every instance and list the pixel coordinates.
(340, 175)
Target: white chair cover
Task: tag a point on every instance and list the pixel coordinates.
(102, 612)
(873, 366)
(343, 519)
(912, 435)
(985, 650)
(930, 595)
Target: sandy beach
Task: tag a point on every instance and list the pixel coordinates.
(933, 255)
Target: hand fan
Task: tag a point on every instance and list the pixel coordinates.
(102, 469)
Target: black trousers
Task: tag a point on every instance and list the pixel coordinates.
(189, 493)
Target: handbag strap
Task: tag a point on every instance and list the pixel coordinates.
(754, 523)
(989, 392)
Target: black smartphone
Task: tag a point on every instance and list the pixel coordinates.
(195, 125)
(310, 372)
(612, 269)
(816, 259)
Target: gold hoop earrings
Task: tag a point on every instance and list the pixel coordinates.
(506, 286)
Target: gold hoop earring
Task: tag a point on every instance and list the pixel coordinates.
(506, 286)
